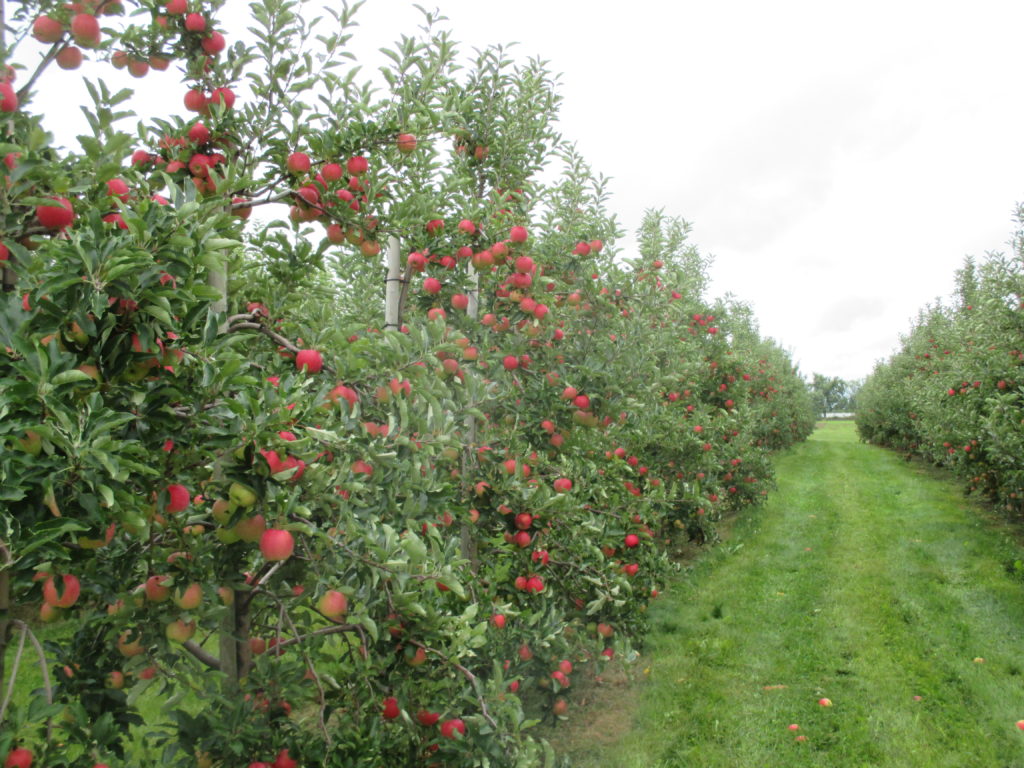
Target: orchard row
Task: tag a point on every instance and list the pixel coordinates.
(952, 393)
(323, 507)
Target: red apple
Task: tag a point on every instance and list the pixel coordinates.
(190, 598)
(277, 544)
(298, 163)
(213, 44)
(195, 22)
(85, 29)
(118, 188)
(427, 719)
(449, 728)
(333, 604)
(357, 166)
(631, 540)
(498, 620)
(195, 100)
(432, 285)
(178, 498)
(69, 57)
(309, 360)
(406, 143)
(19, 757)
(56, 215)
(72, 589)
(518, 235)
(391, 710)
(155, 590)
(47, 30)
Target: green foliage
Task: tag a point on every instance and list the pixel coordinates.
(952, 392)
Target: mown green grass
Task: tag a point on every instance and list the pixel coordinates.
(866, 580)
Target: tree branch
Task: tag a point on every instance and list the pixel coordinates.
(204, 656)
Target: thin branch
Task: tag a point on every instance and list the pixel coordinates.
(473, 680)
(25, 631)
(310, 666)
(14, 676)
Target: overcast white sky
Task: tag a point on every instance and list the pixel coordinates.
(838, 160)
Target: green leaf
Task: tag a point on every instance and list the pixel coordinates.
(69, 377)
(47, 531)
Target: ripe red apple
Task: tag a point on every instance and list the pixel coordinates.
(223, 96)
(432, 285)
(309, 360)
(631, 540)
(8, 99)
(195, 22)
(426, 718)
(277, 544)
(195, 100)
(178, 498)
(518, 235)
(118, 188)
(176, 7)
(498, 620)
(449, 728)
(284, 760)
(298, 163)
(69, 57)
(562, 485)
(190, 598)
(460, 301)
(19, 757)
(511, 362)
(71, 590)
(391, 710)
(333, 604)
(85, 29)
(155, 590)
(56, 215)
(560, 707)
(357, 166)
(605, 630)
(47, 30)
(214, 43)
(406, 143)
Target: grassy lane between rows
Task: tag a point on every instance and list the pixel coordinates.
(865, 580)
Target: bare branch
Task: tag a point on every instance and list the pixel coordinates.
(473, 680)
(204, 656)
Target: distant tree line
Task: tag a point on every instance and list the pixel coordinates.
(834, 395)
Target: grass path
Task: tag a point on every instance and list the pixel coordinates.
(865, 580)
